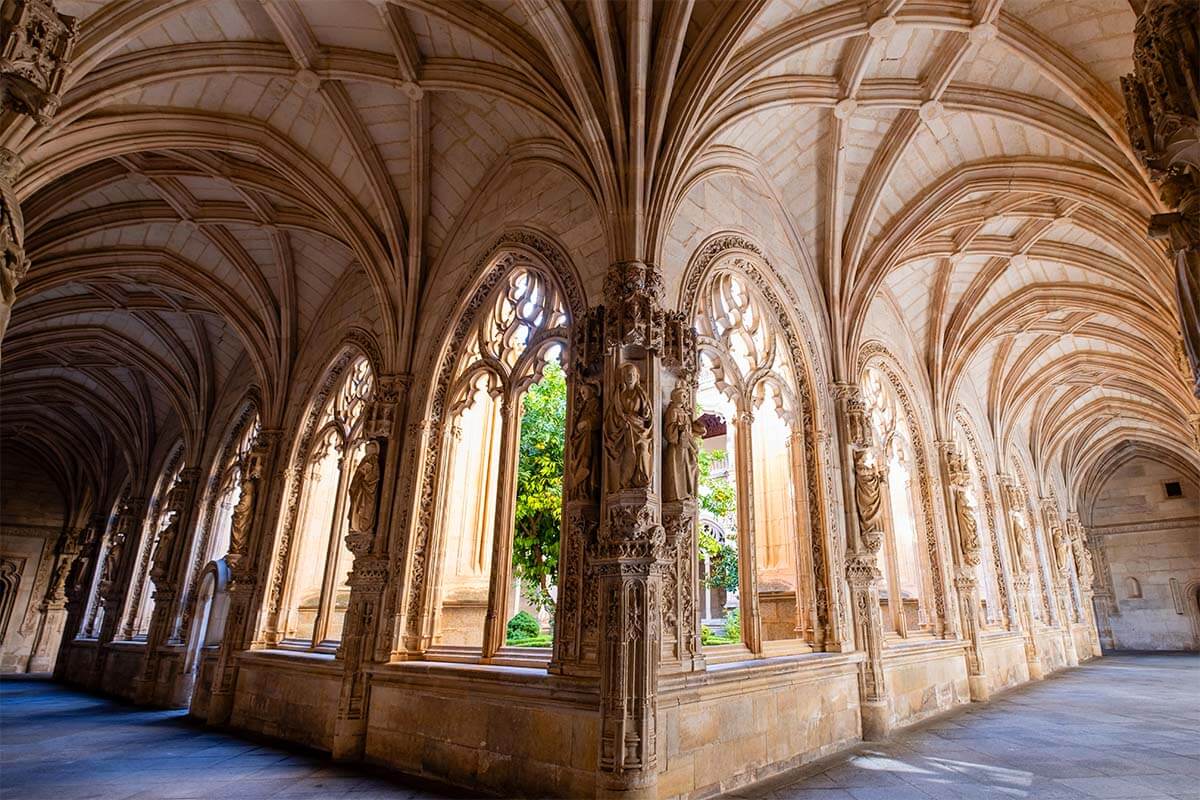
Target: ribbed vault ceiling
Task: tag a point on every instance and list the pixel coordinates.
(219, 169)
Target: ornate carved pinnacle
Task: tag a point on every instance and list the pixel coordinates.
(33, 62)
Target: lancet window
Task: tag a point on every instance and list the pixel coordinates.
(141, 599)
(907, 591)
(221, 497)
(506, 402)
(755, 547)
(318, 592)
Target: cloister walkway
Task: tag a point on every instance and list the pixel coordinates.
(1125, 726)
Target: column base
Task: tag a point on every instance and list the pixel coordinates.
(349, 739)
(1036, 673)
(978, 687)
(876, 720)
(643, 787)
(220, 709)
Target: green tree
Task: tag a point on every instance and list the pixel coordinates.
(539, 486)
(717, 497)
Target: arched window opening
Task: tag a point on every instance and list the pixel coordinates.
(538, 517)
(751, 467)
(209, 612)
(500, 501)
(221, 496)
(318, 591)
(141, 602)
(718, 497)
(1133, 588)
(907, 591)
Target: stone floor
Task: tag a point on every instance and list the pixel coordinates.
(60, 744)
(1127, 726)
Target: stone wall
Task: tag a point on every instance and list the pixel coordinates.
(292, 698)
(741, 723)
(1151, 544)
(31, 520)
(1004, 661)
(924, 679)
(509, 730)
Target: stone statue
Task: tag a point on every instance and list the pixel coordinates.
(1083, 565)
(243, 516)
(968, 526)
(1024, 540)
(162, 550)
(581, 472)
(628, 432)
(680, 462)
(1062, 549)
(364, 492)
(868, 499)
(13, 261)
(112, 559)
(58, 579)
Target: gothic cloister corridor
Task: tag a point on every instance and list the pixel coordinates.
(613, 399)
(1123, 726)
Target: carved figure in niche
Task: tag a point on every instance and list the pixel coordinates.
(13, 261)
(1024, 540)
(162, 551)
(364, 491)
(1083, 565)
(868, 499)
(968, 526)
(680, 464)
(582, 471)
(112, 559)
(1062, 549)
(58, 579)
(628, 432)
(243, 516)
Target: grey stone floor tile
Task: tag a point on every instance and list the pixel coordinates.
(1122, 727)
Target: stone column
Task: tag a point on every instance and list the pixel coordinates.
(116, 573)
(245, 537)
(167, 568)
(1061, 556)
(577, 617)
(35, 53)
(53, 607)
(1085, 574)
(863, 483)
(368, 543)
(1013, 502)
(966, 552)
(630, 556)
(78, 581)
(1163, 120)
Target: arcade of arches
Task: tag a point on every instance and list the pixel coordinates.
(590, 398)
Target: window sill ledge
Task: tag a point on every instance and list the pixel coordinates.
(300, 660)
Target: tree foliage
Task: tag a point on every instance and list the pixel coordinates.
(539, 486)
(716, 493)
(717, 497)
